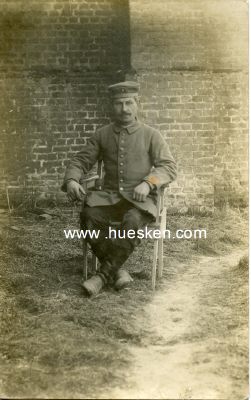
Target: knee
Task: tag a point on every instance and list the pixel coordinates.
(87, 214)
(133, 218)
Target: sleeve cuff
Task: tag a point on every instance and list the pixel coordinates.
(151, 185)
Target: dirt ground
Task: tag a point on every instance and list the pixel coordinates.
(186, 340)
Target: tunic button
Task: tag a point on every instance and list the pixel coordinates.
(121, 155)
(121, 172)
(121, 163)
(121, 148)
(122, 141)
(121, 188)
(121, 180)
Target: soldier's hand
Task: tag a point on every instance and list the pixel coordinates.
(141, 192)
(75, 191)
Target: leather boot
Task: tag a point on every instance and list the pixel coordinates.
(122, 279)
(93, 285)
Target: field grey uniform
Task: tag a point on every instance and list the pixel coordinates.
(130, 155)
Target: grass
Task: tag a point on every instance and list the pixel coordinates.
(57, 343)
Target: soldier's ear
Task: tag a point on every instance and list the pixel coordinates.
(137, 99)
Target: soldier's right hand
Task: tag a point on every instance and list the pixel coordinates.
(75, 191)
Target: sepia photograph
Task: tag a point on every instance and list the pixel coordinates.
(124, 199)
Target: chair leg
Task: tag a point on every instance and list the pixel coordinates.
(94, 263)
(160, 255)
(161, 243)
(154, 264)
(85, 264)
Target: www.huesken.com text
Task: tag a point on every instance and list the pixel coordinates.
(146, 233)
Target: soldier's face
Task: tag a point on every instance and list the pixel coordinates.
(125, 110)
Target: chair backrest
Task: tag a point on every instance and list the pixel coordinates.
(100, 172)
(160, 201)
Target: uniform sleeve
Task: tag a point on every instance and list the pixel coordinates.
(83, 161)
(164, 170)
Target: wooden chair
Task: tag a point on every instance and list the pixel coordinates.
(95, 181)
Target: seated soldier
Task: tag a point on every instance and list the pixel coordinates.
(137, 161)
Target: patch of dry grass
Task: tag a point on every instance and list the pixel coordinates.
(225, 322)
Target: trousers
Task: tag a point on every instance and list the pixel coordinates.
(112, 252)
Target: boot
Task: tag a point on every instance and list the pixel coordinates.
(93, 285)
(122, 279)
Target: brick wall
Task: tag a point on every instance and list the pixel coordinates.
(191, 56)
(57, 56)
(56, 59)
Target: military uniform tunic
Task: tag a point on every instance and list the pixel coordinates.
(130, 155)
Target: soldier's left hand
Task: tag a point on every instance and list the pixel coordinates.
(141, 192)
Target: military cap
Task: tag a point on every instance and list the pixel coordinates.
(124, 89)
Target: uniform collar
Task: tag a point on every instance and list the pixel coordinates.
(130, 128)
